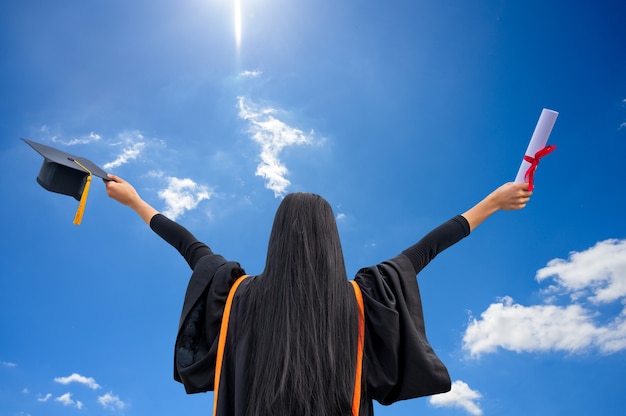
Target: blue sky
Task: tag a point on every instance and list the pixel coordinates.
(401, 114)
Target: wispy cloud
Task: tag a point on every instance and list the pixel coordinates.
(133, 144)
(587, 279)
(108, 400)
(273, 135)
(111, 401)
(460, 396)
(85, 139)
(44, 398)
(91, 137)
(182, 195)
(7, 364)
(250, 74)
(77, 378)
(66, 400)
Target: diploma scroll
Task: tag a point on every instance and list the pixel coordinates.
(537, 147)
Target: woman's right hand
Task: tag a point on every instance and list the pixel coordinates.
(124, 193)
(511, 196)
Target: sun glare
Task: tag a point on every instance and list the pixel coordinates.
(238, 24)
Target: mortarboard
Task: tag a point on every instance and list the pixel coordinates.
(66, 174)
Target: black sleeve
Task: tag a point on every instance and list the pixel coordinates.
(180, 238)
(399, 362)
(436, 241)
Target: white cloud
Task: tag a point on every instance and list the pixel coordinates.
(182, 195)
(77, 378)
(134, 144)
(155, 174)
(587, 279)
(44, 398)
(599, 273)
(460, 396)
(110, 401)
(530, 328)
(622, 126)
(8, 364)
(250, 74)
(273, 135)
(66, 400)
(91, 137)
(341, 216)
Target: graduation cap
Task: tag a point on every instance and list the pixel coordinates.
(66, 174)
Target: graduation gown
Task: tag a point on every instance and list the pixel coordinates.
(399, 362)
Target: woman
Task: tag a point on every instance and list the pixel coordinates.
(292, 337)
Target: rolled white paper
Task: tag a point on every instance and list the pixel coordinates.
(537, 141)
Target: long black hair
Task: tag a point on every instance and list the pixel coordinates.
(302, 317)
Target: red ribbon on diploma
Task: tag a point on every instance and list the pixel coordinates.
(534, 162)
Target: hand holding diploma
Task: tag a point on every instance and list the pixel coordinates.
(537, 148)
(508, 197)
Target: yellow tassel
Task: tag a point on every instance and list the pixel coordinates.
(83, 198)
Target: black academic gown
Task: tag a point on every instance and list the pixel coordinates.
(399, 362)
